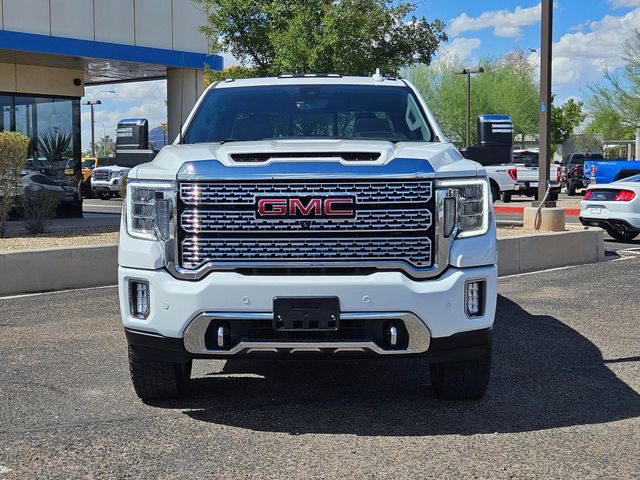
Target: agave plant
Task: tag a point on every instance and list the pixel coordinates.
(53, 144)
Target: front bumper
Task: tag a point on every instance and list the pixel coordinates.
(111, 186)
(428, 310)
(616, 215)
(609, 224)
(527, 186)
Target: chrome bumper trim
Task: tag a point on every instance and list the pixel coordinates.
(194, 335)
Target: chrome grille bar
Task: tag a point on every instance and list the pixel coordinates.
(197, 251)
(225, 194)
(199, 221)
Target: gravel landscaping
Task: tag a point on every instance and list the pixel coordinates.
(64, 238)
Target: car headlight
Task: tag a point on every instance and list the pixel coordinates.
(466, 207)
(116, 173)
(150, 208)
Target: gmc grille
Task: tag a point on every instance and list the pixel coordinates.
(102, 175)
(393, 222)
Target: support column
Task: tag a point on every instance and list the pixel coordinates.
(637, 157)
(183, 92)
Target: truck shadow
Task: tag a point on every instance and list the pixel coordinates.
(545, 375)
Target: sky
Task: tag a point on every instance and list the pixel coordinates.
(589, 36)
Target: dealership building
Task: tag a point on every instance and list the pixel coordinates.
(50, 50)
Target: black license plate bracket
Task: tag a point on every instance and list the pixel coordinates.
(306, 313)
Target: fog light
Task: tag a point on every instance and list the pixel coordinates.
(139, 301)
(474, 298)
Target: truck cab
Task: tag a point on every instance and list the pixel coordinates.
(314, 215)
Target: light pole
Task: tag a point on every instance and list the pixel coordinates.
(92, 104)
(468, 72)
(545, 96)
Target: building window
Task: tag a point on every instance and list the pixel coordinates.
(53, 125)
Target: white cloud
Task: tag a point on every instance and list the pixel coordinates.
(581, 57)
(459, 49)
(624, 3)
(505, 23)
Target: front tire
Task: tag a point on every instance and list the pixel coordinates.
(157, 380)
(495, 192)
(465, 380)
(622, 235)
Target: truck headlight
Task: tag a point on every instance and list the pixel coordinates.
(150, 208)
(470, 218)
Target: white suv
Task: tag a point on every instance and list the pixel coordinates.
(309, 215)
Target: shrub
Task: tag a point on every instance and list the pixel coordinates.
(14, 148)
(123, 187)
(38, 207)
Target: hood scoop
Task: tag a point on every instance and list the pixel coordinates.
(262, 157)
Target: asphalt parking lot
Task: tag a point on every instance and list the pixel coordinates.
(563, 403)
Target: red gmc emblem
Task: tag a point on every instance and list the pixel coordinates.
(293, 207)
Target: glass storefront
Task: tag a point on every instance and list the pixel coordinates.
(53, 126)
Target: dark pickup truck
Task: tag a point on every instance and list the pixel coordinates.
(573, 177)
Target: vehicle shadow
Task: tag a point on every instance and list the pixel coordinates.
(545, 375)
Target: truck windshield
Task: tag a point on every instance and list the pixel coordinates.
(350, 112)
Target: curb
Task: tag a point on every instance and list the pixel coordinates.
(531, 253)
(97, 266)
(569, 212)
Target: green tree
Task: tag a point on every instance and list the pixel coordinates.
(506, 87)
(235, 72)
(564, 120)
(351, 37)
(608, 123)
(105, 147)
(619, 93)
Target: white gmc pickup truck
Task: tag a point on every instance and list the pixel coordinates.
(308, 215)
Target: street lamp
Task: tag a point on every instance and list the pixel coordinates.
(93, 103)
(468, 72)
(546, 66)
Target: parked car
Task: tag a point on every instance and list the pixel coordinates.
(614, 207)
(607, 171)
(106, 182)
(526, 162)
(32, 181)
(573, 177)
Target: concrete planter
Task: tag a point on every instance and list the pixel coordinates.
(530, 253)
(76, 267)
(27, 271)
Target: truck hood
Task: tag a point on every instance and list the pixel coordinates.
(443, 158)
